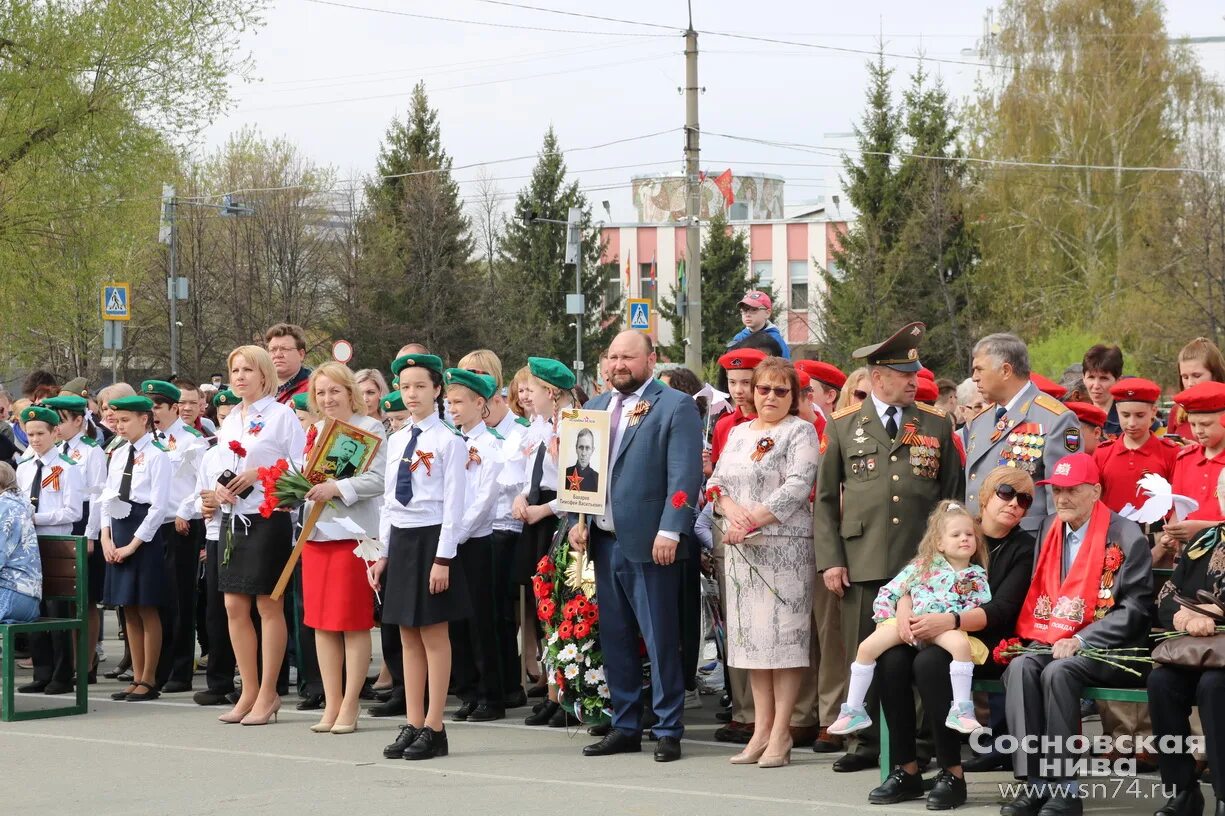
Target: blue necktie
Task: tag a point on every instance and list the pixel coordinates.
(999, 412)
(404, 476)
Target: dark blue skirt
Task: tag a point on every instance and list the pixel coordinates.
(141, 580)
(406, 581)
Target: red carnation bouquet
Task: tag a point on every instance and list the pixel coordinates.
(1119, 657)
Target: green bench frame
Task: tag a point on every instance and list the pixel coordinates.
(65, 578)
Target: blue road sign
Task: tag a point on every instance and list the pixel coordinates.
(116, 303)
(640, 314)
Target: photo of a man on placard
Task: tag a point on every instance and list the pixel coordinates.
(346, 458)
(581, 476)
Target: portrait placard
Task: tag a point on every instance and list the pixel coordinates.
(341, 452)
(582, 461)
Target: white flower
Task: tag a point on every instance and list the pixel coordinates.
(587, 660)
(552, 638)
(593, 676)
(568, 654)
(571, 671)
(603, 691)
(587, 646)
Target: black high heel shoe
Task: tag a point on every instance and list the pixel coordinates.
(428, 744)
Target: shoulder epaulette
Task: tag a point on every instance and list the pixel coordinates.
(494, 433)
(847, 411)
(1171, 443)
(25, 459)
(452, 428)
(115, 442)
(193, 431)
(89, 441)
(989, 406)
(1188, 449)
(157, 443)
(68, 459)
(523, 421)
(1105, 443)
(931, 409)
(1051, 404)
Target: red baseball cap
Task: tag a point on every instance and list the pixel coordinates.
(1135, 389)
(926, 390)
(756, 299)
(926, 373)
(1047, 385)
(805, 380)
(1088, 413)
(825, 373)
(1202, 398)
(1073, 470)
(741, 359)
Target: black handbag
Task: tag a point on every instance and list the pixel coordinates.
(1195, 652)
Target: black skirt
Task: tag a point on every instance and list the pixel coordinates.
(406, 581)
(141, 579)
(534, 543)
(258, 553)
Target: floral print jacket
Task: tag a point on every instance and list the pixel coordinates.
(21, 568)
(939, 588)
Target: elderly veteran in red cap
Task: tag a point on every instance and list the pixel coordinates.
(1197, 468)
(1092, 420)
(1092, 587)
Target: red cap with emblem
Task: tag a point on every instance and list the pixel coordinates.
(741, 359)
(822, 372)
(926, 373)
(1088, 413)
(1047, 386)
(1135, 389)
(1202, 398)
(805, 380)
(926, 391)
(1073, 470)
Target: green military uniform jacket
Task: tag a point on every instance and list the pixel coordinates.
(874, 494)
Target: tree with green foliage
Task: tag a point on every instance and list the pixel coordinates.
(534, 280)
(725, 278)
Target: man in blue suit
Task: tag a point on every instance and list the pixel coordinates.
(655, 446)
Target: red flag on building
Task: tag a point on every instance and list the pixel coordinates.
(724, 183)
(627, 274)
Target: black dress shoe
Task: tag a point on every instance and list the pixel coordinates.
(461, 713)
(486, 713)
(538, 691)
(37, 687)
(311, 702)
(542, 715)
(428, 744)
(599, 730)
(562, 719)
(93, 677)
(615, 742)
(58, 687)
(175, 687)
(668, 749)
(383, 696)
(898, 786)
(1063, 806)
(725, 700)
(948, 792)
(208, 697)
(367, 692)
(1189, 802)
(516, 699)
(1026, 804)
(724, 716)
(849, 763)
(737, 733)
(985, 763)
(392, 708)
(404, 739)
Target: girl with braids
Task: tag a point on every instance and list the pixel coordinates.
(419, 535)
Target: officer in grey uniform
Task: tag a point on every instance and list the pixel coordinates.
(890, 460)
(1022, 427)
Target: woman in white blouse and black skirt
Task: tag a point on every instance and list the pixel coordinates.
(257, 432)
(423, 507)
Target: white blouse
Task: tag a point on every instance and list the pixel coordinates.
(63, 492)
(267, 431)
(150, 485)
(184, 448)
(438, 484)
(92, 461)
(482, 490)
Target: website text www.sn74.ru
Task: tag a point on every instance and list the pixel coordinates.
(1102, 789)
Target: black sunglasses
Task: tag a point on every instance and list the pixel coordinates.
(779, 391)
(1007, 493)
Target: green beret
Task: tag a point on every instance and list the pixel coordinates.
(40, 414)
(160, 388)
(552, 372)
(482, 384)
(67, 402)
(226, 397)
(431, 361)
(393, 402)
(77, 386)
(395, 382)
(134, 403)
(301, 402)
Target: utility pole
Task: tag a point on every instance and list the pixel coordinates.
(693, 261)
(168, 236)
(574, 248)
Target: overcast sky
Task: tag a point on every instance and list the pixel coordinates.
(331, 78)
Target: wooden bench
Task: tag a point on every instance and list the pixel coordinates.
(65, 578)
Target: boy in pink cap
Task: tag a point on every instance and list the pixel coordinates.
(755, 312)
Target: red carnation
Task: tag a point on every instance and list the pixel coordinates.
(566, 630)
(545, 609)
(592, 615)
(679, 499)
(543, 590)
(545, 567)
(1114, 558)
(1003, 652)
(237, 448)
(581, 603)
(582, 629)
(560, 679)
(569, 610)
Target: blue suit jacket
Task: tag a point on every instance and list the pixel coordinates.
(657, 457)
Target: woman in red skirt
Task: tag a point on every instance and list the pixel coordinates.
(337, 599)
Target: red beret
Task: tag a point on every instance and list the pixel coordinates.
(1135, 389)
(1047, 386)
(926, 373)
(926, 391)
(1088, 413)
(822, 372)
(805, 380)
(1202, 398)
(741, 359)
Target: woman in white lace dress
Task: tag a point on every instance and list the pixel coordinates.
(762, 486)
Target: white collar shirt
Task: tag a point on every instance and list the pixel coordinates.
(438, 481)
(62, 493)
(92, 461)
(150, 484)
(267, 431)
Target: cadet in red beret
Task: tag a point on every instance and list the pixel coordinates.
(827, 383)
(739, 365)
(926, 390)
(1047, 385)
(1197, 468)
(1137, 451)
(1092, 420)
(926, 373)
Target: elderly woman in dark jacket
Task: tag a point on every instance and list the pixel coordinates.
(1005, 496)
(1174, 690)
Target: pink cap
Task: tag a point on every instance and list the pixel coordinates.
(756, 299)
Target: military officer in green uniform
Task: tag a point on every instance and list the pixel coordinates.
(1021, 427)
(890, 460)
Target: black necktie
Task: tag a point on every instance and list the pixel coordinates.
(64, 448)
(533, 495)
(999, 412)
(125, 483)
(891, 422)
(36, 487)
(404, 476)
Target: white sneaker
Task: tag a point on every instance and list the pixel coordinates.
(692, 700)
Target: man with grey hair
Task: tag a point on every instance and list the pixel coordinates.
(1020, 427)
(969, 402)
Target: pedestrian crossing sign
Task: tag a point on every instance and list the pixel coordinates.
(640, 314)
(116, 304)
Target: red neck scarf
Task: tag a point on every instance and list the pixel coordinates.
(1055, 608)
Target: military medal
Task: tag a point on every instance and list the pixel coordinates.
(639, 410)
(764, 446)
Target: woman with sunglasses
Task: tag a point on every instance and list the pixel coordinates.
(761, 488)
(1005, 496)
